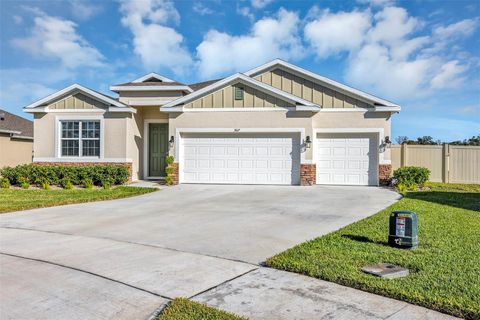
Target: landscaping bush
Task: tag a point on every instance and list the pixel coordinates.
(169, 160)
(38, 174)
(106, 184)
(23, 182)
(87, 183)
(4, 183)
(66, 183)
(411, 177)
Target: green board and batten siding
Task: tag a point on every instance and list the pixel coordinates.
(157, 149)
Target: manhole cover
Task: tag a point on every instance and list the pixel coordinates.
(386, 270)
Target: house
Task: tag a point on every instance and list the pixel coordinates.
(275, 124)
(16, 139)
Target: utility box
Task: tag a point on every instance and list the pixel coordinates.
(403, 230)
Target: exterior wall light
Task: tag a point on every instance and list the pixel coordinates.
(171, 141)
(388, 142)
(308, 142)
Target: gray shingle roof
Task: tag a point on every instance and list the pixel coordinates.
(11, 122)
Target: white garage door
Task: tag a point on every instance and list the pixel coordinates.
(241, 158)
(349, 159)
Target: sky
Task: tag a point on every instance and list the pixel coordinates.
(423, 55)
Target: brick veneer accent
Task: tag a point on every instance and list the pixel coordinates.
(384, 173)
(308, 174)
(87, 164)
(174, 175)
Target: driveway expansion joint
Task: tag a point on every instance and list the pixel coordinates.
(87, 272)
(133, 242)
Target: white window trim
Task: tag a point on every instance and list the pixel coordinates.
(179, 141)
(146, 157)
(58, 134)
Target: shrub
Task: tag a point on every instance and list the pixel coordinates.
(87, 183)
(4, 183)
(106, 184)
(46, 185)
(66, 183)
(23, 182)
(38, 174)
(169, 160)
(411, 177)
(401, 187)
(168, 180)
(169, 170)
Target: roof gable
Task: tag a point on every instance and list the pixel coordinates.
(323, 81)
(249, 82)
(152, 77)
(111, 103)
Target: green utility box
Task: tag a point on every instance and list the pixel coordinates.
(403, 230)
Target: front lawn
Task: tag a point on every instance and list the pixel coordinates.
(445, 268)
(184, 309)
(15, 199)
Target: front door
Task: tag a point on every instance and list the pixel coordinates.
(157, 149)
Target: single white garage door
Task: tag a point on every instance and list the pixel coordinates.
(349, 159)
(241, 158)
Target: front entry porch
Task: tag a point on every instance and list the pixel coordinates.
(156, 149)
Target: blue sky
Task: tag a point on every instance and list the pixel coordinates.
(423, 55)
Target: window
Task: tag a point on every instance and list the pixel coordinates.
(238, 93)
(80, 138)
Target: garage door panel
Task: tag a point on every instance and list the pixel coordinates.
(347, 158)
(241, 159)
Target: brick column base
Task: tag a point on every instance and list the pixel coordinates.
(174, 175)
(308, 174)
(384, 173)
(88, 164)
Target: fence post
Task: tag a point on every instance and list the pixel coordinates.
(446, 163)
(403, 155)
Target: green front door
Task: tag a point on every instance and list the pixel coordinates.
(157, 149)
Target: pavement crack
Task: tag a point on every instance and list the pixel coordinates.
(226, 281)
(87, 272)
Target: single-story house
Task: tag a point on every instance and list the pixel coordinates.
(274, 124)
(16, 140)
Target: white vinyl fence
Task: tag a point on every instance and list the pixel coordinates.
(447, 163)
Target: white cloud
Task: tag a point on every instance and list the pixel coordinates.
(246, 12)
(462, 28)
(201, 9)
(469, 109)
(335, 32)
(449, 76)
(385, 54)
(259, 4)
(157, 45)
(84, 10)
(269, 38)
(53, 37)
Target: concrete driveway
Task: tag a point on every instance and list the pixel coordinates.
(124, 258)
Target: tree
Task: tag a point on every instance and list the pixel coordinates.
(428, 140)
(401, 139)
(473, 141)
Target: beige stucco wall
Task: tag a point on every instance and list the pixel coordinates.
(306, 120)
(224, 98)
(14, 151)
(260, 120)
(115, 134)
(308, 90)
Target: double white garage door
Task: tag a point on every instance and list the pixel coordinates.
(273, 158)
(241, 158)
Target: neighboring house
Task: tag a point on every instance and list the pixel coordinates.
(275, 124)
(16, 139)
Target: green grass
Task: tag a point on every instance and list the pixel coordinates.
(184, 309)
(15, 199)
(446, 266)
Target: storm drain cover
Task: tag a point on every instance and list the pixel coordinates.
(386, 270)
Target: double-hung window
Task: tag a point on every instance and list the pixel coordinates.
(80, 138)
